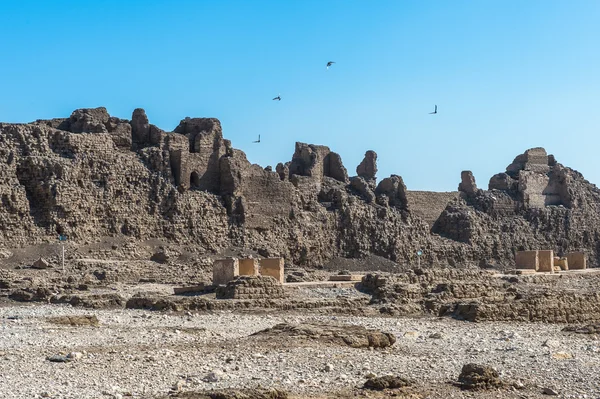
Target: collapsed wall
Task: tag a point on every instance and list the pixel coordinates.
(94, 175)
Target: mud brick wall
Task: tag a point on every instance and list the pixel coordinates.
(251, 287)
(428, 205)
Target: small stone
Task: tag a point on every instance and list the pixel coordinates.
(549, 391)
(328, 368)
(75, 355)
(436, 335)
(178, 386)
(58, 359)
(562, 356)
(211, 377)
(550, 343)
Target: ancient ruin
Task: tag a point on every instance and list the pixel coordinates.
(94, 175)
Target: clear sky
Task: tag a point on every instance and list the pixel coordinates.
(506, 75)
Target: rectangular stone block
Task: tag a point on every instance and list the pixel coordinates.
(249, 267)
(346, 277)
(577, 260)
(272, 267)
(527, 260)
(194, 289)
(563, 263)
(225, 270)
(546, 261)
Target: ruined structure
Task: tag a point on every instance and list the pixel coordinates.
(93, 175)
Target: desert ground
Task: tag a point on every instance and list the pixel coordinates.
(86, 339)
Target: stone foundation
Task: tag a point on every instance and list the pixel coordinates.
(251, 287)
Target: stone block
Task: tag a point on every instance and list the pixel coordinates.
(225, 270)
(41, 263)
(563, 263)
(546, 261)
(346, 277)
(193, 289)
(248, 267)
(577, 260)
(527, 260)
(272, 267)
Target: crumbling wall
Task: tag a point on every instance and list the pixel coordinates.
(428, 205)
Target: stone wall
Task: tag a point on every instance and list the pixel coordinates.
(251, 287)
(93, 175)
(428, 205)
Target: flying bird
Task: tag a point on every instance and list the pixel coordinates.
(278, 98)
(330, 63)
(257, 141)
(434, 112)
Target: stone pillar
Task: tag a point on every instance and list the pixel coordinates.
(546, 261)
(467, 184)
(577, 260)
(249, 267)
(225, 270)
(272, 267)
(527, 260)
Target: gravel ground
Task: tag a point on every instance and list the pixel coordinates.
(146, 354)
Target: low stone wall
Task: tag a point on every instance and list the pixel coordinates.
(251, 287)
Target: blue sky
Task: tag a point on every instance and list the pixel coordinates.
(506, 76)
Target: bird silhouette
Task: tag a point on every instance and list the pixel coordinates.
(434, 112)
(278, 98)
(330, 63)
(257, 141)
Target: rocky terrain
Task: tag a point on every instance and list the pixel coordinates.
(135, 353)
(92, 175)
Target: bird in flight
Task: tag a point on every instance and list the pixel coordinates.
(257, 141)
(330, 63)
(434, 112)
(278, 98)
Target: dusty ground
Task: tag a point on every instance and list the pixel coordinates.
(146, 354)
(151, 354)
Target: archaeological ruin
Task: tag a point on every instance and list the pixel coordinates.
(92, 175)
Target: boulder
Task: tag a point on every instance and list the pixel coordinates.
(41, 263)
(477, 376)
